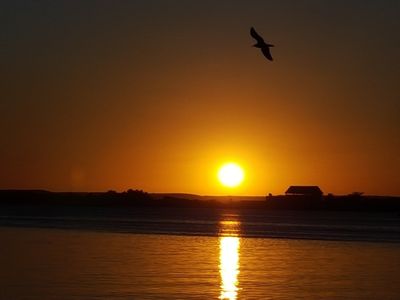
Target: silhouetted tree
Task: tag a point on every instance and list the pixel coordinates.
(137, 195)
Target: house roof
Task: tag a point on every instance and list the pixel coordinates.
(304, 190)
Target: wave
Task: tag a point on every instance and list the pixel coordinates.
(287, 225)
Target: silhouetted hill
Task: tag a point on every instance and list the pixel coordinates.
(206, 198)
(132, 198)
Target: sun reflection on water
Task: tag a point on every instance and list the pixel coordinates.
(229, 244)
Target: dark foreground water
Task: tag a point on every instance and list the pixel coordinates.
(190, 255)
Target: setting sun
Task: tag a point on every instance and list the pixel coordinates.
(231, 175)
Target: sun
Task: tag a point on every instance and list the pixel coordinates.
(231, 175)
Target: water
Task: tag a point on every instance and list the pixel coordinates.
(324, 225)
(216, 256)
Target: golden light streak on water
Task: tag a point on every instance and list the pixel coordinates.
(229, 259)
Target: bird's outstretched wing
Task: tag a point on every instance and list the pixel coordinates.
(255, 35)
(267, 53)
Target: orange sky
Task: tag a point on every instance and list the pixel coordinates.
(156, 95)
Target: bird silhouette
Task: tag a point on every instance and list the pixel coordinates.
(261, 44)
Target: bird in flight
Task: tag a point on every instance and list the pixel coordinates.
(261, 44)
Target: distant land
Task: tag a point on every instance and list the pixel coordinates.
(206, 197)
(139, 198)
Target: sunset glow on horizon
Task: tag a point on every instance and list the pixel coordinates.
(160, 114)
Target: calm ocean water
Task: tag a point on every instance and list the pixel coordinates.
(220, 255)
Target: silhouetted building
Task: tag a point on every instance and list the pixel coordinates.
(300, 190)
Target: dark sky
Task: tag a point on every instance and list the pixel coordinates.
(156, 95)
